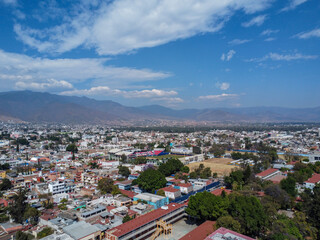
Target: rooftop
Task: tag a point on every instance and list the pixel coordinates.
(267, 172)
(314, 179)
(144, 219)
(200, 232)
(223, 233)
(80, 229)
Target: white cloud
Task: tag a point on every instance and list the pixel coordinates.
(223, 86)
(268, 32)
(293, 4)
(239, 41)
(171, 101)
(123, 26)
(256, 21)
(227, 57)
(310, 34)
(221, 97)
(270, 39)
(105, 90)
(9, 2)
(284, 57)
(51, 84)
(18, 67)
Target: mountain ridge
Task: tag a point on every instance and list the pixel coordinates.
(29, 106)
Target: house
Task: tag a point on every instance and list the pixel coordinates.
(61, 187)
(269, 173)
(223, 233)
(311, 182)
(171, 192)
(124, 185)
(82, 231)
(155, 200)
(185, 188)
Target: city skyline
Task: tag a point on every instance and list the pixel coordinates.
(196, 55)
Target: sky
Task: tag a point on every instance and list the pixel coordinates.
(175, 53)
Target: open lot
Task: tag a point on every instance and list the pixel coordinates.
(218, 165)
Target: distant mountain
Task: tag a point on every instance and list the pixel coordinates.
(28, 106)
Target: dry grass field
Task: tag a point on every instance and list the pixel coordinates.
(218, 165)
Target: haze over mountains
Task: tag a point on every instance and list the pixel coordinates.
(31, 106)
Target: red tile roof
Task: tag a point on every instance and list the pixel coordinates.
(267, 172)
(144, 219)
(185, 185)
(170, 189)
(130, 194)
(277, 178)
(219, 191)
(200, 232)
(314, 179)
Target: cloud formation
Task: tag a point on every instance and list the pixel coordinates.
(293, 4)
(227, 57)
(238, 41)
(223, 86)
(45, 72)
(268, 32)
(284, 57)
(310, 34)
(256, 21)
(107, 26)
(220, 97)
(50, 84)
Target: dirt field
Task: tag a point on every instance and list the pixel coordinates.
(218, 165)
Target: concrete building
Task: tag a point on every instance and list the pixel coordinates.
(269, 173)
(171, 192)
(144, 226)
(155, 200)
(83, 231)
(61, 187)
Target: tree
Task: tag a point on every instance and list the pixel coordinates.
(279, 196)
(161, 193)
(124, 171)
(123, 158)
(23, 236)
(140, 160)
(207, 206)
(127, 218)
(229, 223)
(115, 190)
(105, 185)
(45, 232)
(171, 166)
(185, 169)
(151, 180)
(5, 185)
(289, 185)
(19, 206)
(32, 214)
(218, 150)
(72, 148)
(248, 211)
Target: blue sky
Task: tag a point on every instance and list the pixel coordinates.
(176, 53)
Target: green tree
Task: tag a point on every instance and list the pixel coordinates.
(18, 206)
(206, 206)
(249, 212)
(151, 180)
(23, 236)
(32, 214)
(72, 148)
(161, 193)
(45, 232)
(185, 169)
(124, 171)
(289, 185)
(140, 160)
(171, 166)
(229, 223)
(5, 185)
(105, 185)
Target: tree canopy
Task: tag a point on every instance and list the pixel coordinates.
(151, 180)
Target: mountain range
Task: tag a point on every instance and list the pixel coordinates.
(28, 106)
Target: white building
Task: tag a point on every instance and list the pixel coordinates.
(58, 187)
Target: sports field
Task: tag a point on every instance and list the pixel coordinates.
(218, 165)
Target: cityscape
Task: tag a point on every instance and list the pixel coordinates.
(147, 119)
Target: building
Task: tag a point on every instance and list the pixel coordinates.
(155, 200)
(223, 233)
(144, 226)
(171, 192)
(269, 173)
(200, 232)
(185, 188)
(311, 182)
(83, 231)
(60, 187)
(190, 159)
(314, 158)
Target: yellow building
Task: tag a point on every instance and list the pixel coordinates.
(3, 174)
